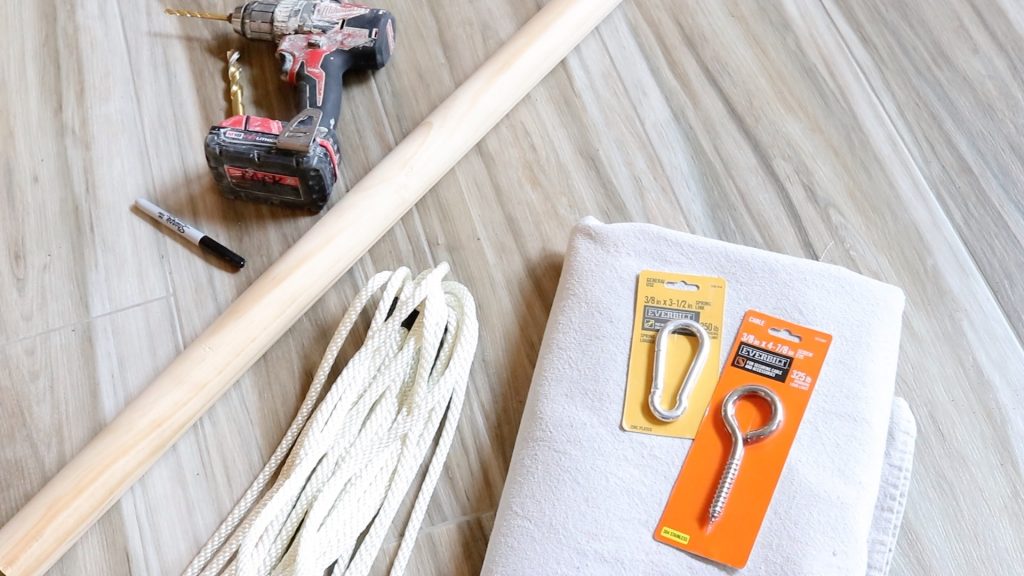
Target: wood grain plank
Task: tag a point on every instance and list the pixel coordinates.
(62, 387)
(70, 169)
(952, 84)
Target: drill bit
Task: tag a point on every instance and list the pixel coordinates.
(234, 83)
(197, 14)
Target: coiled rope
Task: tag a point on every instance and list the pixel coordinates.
(347, 460)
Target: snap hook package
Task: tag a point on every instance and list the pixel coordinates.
(674, 353)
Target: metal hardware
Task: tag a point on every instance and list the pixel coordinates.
(197, 14)
(739, 439)
(299, 134)
(658, 381)
(235, 83)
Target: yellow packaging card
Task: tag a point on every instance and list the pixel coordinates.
(662, 297)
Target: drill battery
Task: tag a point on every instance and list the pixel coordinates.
(247, 162)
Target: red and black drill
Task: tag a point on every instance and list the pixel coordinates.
(296, 164)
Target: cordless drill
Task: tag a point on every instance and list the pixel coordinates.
(296, 164)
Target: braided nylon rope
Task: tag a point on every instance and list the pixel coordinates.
(349, 458)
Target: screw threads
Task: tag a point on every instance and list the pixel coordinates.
(725, 484)
(234, 83)
(197, 14)
(732, 467)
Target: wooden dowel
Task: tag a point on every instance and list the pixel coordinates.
(74, 499)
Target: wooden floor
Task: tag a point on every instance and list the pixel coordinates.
(886, 136)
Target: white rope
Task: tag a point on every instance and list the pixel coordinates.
(347, 460)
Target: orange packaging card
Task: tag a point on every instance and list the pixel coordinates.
(771, 354)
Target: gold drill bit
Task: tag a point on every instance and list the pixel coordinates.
(234, 84)
(196, 14)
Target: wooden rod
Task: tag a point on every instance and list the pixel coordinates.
(78, 495)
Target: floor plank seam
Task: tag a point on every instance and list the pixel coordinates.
(135, 95)
(445, 525)
(919, 174)
(388, 124)
(83, 322)
(600, 33)
(179, 332)
(456, 521)
(757, 150)
(179, 329)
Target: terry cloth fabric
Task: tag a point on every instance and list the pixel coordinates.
(584, 497)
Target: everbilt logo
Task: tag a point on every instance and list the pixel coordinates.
(764, 356)
(670, 314)
(655, 316)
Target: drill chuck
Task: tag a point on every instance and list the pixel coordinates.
(270, 20)
(255, 20)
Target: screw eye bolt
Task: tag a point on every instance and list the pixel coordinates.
(739, 440)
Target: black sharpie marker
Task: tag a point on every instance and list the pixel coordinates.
(191, 234)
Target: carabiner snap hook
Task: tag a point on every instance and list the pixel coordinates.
(658, 383)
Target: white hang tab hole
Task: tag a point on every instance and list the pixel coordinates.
(682, 285)
(785, 334)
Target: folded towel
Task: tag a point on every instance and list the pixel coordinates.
(584, 497)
